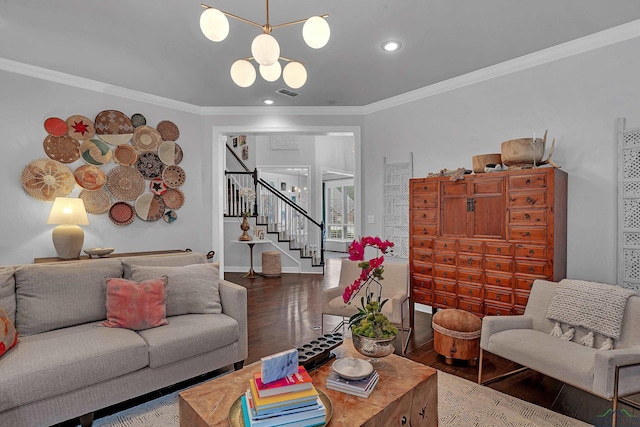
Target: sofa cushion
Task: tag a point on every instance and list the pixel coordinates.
(190, 289)
(52, 296)
(56, 362)
(572, 362)
(189, 335)
(166, 260)
(8, 334)
(8, 292)
(136, 305)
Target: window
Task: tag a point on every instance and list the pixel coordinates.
(340, 210)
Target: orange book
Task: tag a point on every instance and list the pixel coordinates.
(280, 400)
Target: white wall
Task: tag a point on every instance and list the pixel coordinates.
(577, 98)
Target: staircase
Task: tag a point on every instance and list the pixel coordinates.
(287, 225)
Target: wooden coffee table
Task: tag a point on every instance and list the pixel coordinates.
(407, 391)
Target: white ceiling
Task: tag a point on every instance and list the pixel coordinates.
(157, 47)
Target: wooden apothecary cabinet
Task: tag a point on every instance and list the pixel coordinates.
(478, 244)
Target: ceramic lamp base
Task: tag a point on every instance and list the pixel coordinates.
(68, 241)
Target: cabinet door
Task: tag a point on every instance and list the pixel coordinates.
(454, 208)
(488, 208)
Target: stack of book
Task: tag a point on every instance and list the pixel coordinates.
(292, 401)
(360, 388)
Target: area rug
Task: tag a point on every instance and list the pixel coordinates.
(461, 403)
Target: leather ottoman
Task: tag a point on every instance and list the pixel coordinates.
(456, 335)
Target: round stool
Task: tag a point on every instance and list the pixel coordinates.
(456, 335)
(271, 266)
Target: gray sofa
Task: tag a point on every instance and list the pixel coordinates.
(526, 340)
(67, 365)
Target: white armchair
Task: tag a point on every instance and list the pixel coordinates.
(395, 287)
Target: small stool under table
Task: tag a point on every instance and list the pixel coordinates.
(456, 335)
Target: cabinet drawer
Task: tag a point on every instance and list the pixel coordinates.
(422, 242)
(525, 283)
(445, 245)
(442, 285)
(425, 200)
(424, 229)
(423, 255)
(501, 280)
(444, 272)
(470, 305)
(530, 234)
(428, 216)
(501, 295)
(496, 310)
(422, 269)
(422, 297)
(471, 276)
(421, 282)
(538, 268)
(469, 291)
(470, 261)
(536, 198)
(519, 311)
(498, 264)
(522, 298)
(445, 258)
(538, 180)
(504, 249)
(444, 300)
(532, 216)
(531, 251)
(419, 187)
(470, 246)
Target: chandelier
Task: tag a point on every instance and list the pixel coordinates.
(265, 49)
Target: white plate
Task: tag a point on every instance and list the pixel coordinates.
(351, 368)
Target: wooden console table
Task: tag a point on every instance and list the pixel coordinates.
(210, 255)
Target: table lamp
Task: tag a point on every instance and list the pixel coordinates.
(68, 237)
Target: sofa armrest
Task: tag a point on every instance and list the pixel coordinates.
(494, 324)
(605, 370)
(233, 298)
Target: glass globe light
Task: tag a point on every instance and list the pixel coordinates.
(294, 75)
(271, 73)
(316, 32)
(265, 49)
(242, 73)
(214, 25)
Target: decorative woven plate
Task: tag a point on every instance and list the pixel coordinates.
(113, 127)
(95, 202)
(125, 155)
(125, 183)
(170, 216)
(46, 179)
(173, 198)
(90, 177)
(170, 153)
(158, 186)
(149, 207)
(81, 128)
(146, 138)
(122, 213)
(168, 130)
(149, 164)
(95, 152)
(55, 126)
(138, 120)
(62, 148)
(174, 176)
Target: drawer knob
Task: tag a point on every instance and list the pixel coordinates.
(422, 244)
(468, 306)
(531, 252)
(470, 248)
(422, 257)
(445, 274)
(497, 281)
(470, 292)
(444, 287)
(530, 200)
(470, 262)
(469, 277)
(444, 259)
(425, 202)
(424, 188)
(424, 230)
(498, 313)
(527, 217)
(446, 246)
(445, 302)
(528, 181)
(499, 297)
(527, 234)
(422, 271)
(498, 265)
(530, 269)
(499, 250)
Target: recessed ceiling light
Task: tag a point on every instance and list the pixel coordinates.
(268, 101)
(391, 45)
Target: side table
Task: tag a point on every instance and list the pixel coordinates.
(251, 273)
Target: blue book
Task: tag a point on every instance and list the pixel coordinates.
(245, 411)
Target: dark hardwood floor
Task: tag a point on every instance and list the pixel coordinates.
(286, 311)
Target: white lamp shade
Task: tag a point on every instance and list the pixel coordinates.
(294, 75)
(68, 211)
(242, 73)
(214, 24)
(265, 49)
(316, 32)
(271, 73)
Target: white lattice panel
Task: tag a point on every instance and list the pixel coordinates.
(628, 207)
(396, 209)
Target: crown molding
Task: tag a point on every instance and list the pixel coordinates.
(594, 41)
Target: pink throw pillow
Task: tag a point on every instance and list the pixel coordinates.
(134, 305)
(8, 334)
